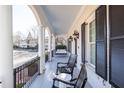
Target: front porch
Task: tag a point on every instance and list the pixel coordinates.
(94, 35)
(45, 80)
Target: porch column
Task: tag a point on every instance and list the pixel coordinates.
(54, 42)
(50, 47)
(41, 49)
(6, 46)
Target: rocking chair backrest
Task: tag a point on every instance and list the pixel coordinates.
(69, 58)
(72, 60)
(82, 78)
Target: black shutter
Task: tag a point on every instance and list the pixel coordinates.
(83, 42)
(116, 45)
(75, 46)
(101, 42)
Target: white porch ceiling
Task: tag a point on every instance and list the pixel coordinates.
(61, 17)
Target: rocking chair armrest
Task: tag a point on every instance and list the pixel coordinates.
(69, 83)
(66, 67)
(73, 79)
(62, 64)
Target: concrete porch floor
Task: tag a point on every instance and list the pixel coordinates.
(45, 80)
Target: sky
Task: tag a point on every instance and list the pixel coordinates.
(23, 19)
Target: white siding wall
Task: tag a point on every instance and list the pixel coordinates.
(87, 15)
(79, 60)
(95, 80)
(73, 47)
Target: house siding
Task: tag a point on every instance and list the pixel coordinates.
(94, 80)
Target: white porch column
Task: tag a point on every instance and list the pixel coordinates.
(53, 43)
(50, 47)
(41, 49)
(6, 46)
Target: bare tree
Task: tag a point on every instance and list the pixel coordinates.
(17, 38)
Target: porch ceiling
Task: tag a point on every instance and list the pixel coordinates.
(61, 17)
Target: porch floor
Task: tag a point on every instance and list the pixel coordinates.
(45, 80)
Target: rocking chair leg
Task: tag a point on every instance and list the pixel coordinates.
(57, 71)
(53, 84)
(71, 76)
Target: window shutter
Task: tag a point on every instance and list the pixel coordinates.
(83, 41)
(116, 18)
(101, 42)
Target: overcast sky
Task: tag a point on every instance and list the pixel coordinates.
(23, 19)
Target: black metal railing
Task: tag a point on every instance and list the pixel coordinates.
(26, 73)
(0, 84)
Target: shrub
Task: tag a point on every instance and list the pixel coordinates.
(19, 85)
(60, 47)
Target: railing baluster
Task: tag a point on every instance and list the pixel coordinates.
(14, 78)
(23, 76)
(18, 78)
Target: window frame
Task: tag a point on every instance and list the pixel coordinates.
(90, 19)
(91, 42)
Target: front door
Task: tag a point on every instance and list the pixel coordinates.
(83, 42)
(75, 46)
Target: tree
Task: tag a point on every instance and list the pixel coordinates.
(17, 38)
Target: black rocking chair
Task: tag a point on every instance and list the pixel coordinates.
(67, 67)
(63, 64)
(79, 82)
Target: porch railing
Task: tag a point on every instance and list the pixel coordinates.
(26, 73)
(0, 84)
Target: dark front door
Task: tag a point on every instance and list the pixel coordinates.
(75, 46)
(83, 42)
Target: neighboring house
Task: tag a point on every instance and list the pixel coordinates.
(31, 42)
(25, 43)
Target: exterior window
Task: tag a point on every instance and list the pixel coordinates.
(92, 41)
